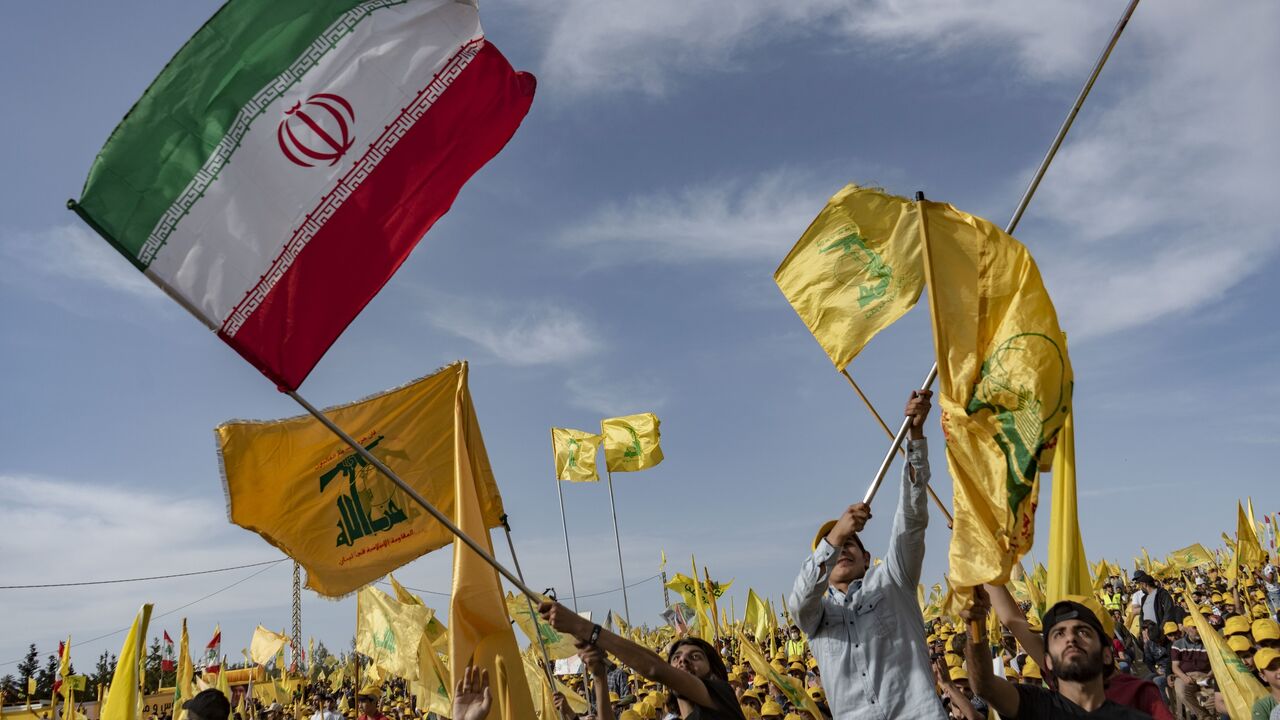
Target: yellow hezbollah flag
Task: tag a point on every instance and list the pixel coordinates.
(123, 701)
(480, 631)
(265, 645)
(1239, 688)
(183, 685)
(1068, 566)
(855, 270)
(306, 492)
(575, 454)
(1247, 545)
(1190, 556)
(631, 442)
(1006, 385)
(757, 617)
(532, 625)
(436, 632)
(388, 632)
(792, 688)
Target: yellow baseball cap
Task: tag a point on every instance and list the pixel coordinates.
(629, 714)
(797, 665)
(954, 660)
(1188, 622)
(770, 709)
(1265, 629)
(822, 532)
(1237, 625)
(1259, 611)
(1031, 670)
(759, 681)
(1170, 628)
(817, 694)
(1264, 658)
(958, 673)
(1216, 597)
(1238, 643)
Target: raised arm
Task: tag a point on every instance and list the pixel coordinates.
(593, 658)
(1011, 616)
(998, 692)
(637, 657)
(811, 583)
(906, 541)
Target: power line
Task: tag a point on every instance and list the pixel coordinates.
(137, 579)
(594, 594)
(247, 578)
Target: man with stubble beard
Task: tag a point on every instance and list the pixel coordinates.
(1076, 651)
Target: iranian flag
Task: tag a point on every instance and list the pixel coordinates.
(291, 155)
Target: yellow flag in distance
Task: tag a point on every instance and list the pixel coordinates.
(855, 270)
(388, 631)
(631, 442)
(265, 645)
(575, 454)
(123, 701)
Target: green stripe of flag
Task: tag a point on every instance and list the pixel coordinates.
(191, 107)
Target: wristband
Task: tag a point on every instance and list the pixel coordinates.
(595, 635)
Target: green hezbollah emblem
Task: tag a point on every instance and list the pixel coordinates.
(360, 514)
(1023, 386)
(879, 274)
(634, 452)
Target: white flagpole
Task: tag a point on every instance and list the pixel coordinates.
(626, 607)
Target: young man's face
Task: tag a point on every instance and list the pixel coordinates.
(1076, 652)
(851, 562)
(1271, 674)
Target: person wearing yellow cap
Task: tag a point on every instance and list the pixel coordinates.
(693, 671)
(957, 697)
(1267, 664)
(1237, 625)
(864, 625)
(367, 702)
(1077, 650)
(1191, 670)
(1266, 633)
(771, 709)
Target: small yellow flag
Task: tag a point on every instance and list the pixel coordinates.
(1191, 556)
(1068, 566)
(436, 632)
(792, 688)
(480, 631)
(532, 625)
(855, 270)
(575, 454)
(1239, 688)
(265, 645)
(758, 617)
(388, 632)
(1006, 385)
(122, 702)
(184, 684)
(631, 442)
(306, 492)
(1247, 545)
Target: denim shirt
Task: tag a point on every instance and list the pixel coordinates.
(869, 643)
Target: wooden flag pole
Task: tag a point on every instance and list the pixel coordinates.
(617, 540)
(936, 500)
(1017, 213)
(414, 494)
(533, 612)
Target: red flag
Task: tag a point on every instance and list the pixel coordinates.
(213, 651)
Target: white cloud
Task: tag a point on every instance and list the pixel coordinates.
(529, 334)
(72, 252)
(718, 220)
(615, 395)
(621, 46)
(86, 530)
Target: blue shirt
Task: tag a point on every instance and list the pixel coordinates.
(869, 642)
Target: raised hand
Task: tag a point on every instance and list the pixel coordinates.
(471, 697)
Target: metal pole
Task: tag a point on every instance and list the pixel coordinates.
(414, 494)
(533, 613)
(617, 540)
(876, 414)
(1022, 206)
(573, 588)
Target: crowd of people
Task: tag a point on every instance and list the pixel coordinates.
(856, 645)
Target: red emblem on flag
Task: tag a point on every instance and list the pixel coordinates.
(317, 130)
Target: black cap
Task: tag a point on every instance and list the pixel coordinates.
(1064, 610)
(209, 704)
(1142, 577)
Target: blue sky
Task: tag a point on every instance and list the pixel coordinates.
(617, 258)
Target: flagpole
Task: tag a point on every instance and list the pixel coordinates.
(415, 495)
(1017, 213)
(568, 555)
(533, 613)
(617, 540)
(874, 413)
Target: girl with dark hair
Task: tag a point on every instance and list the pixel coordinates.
(694, 672)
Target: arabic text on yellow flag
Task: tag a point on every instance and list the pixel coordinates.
(1239, 688)
(855, 270)
(631, 442)
(122, 702)
(388, 631)
(480, 630)
(792, 688)
(1247, 545)
(1006, 385)
(575, 454)
(1068, 566)
(531, 624)
(265, 645)
(333, 512)
(1190, 556)
(184, 684)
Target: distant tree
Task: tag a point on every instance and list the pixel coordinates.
(10, 690)
(152, 666)
(104, 671)
(45, 677)
(28, 667)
